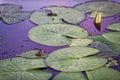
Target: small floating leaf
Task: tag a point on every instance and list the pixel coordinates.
(43, 18)
(29, 54)
(112, 37)
(68, 14)
(80, 42)
(113, 46)
(106, 8)
(74, 59)
(22, 69)
(103, 74)
(105, 51)
(70, 76)
(10, 13)
(115, 27)
(56, 34)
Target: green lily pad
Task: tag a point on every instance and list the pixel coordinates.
(22, 69)
(74, 59)
(113, 46)
(103, 74)
(115, 27)
(105, 51)
(80, 42)
(112, 37)
(42, 18)
(56, 34)
(70, 76)
(68, 14)
(106, 8)
(11, 13)
(29, 54)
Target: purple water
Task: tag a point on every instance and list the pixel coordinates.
(15, 37)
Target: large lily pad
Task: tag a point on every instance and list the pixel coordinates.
(106, 8)
(105, 51)
(112, 37)
(80, 42)
(103, 74)
(67, 14)
(115, 27)
(56, 34)
(21, 69)
(113, 46)
(44, 18)
(70, 76)
(11, 13)
(74, 59)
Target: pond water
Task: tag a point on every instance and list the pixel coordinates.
(14, 38)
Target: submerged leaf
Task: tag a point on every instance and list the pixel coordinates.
(113, 46)
(56, 34)
(105, 51)
(80, 42)
(11, 13)
(106, 8)
(103, 74)
(115, 27)
(70, 76)
(21, 69)
(74, 59)
(112, 37)
(67, 14)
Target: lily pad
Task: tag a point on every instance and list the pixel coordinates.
(56, 34)
(115, 27)
(42, 18)
(57, 15)
(80, 42)
(74, 59)
(103, 74)
(22, 69)
(105, 51)
(106, 8)
(67, 14)
(29, 54)
(11, 13)
(113, 46)
(70, 76)
(112, 37)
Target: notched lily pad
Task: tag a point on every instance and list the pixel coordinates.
(112, 37)
(22, 69)
(67, 14)
(103, 74)
(56, 34)
(115, 27)
(80, 42)
(42, 18)
(57, 15)
(11, 13)
(113, 46)
(70, 76)
(106, 8)
(74, 59)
